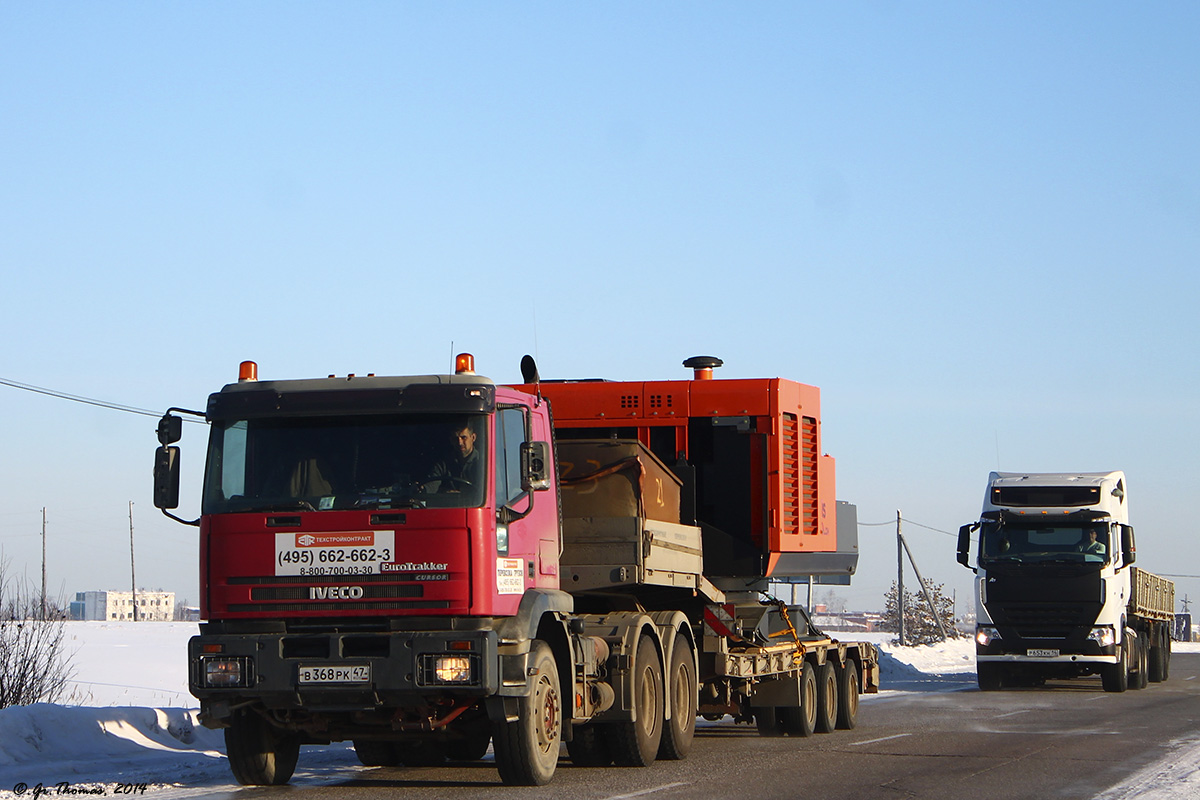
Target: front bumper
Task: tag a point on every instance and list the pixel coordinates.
(265, 669)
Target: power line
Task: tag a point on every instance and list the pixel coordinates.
(78, 398)
(75, 398)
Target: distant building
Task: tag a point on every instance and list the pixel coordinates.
(118, 606)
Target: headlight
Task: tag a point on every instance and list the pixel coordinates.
(985, 636)
(225, 672)
(1103, 635)
(447, 669)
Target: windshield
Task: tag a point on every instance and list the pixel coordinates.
(370, 461)
(1068, 543)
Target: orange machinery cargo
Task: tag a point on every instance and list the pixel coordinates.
(747, 451)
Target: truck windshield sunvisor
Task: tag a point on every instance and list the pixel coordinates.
(284, 463)
(1045, 496)
(455, 398)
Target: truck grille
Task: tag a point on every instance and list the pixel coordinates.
(334, 605)
(1047, 622)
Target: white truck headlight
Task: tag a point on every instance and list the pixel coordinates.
(225, 673)
(985, 635)
(1103, 635)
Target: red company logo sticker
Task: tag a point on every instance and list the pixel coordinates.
(335, 539)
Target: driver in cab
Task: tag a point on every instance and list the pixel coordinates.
(463, 469)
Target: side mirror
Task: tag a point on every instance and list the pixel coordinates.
(964, 544)
(166, 477)
(535, 466)
(170, 429)
(1128, 547)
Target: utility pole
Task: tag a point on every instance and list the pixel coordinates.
(924, 590)
(899, 579)
(132, 574)
(42, 615)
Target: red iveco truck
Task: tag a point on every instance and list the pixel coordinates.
(430, 565)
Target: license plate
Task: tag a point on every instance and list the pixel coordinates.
(1034, 653)
(347, 673)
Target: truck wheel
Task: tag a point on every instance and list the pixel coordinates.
(680, 729)
(1138, 680)
(375, 753)
(421, 754)
(635, 743)
(989, 676)
(259, 754)
(472, 748)
(802, 721)
(1115, 677)
(847, 714)
(827, 698)
(1159, 654)
(527, 750)
(1166, 672)
(768, 722)
(589, 746)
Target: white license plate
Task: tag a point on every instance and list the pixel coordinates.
(354, 673)
(1035, 653)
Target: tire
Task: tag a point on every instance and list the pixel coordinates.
(1166, 671)
(421, 753)
(260, 754)
(1139, 678)
(989, 676)
(827, 698)
(1115, 677)
(1155, 665)
(376, 753)
(848, 690)
(471, 748)
(767, 721)
(681, 692)
(589, 746)
(527, 750)
(802, 720)
(635, 742)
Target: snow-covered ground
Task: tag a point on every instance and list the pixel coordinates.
(130, 720)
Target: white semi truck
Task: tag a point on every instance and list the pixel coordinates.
(1057, 595)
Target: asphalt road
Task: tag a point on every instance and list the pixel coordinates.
(1066, 740)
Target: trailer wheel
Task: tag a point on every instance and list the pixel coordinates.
(589, 746)
(635, 742)
(376, 753)
(802, 721)
(847, 713)
(527, 750)
(1115, 677)
(259, 754)
(827, 698)
(1166, 672)
(989, 676)
(680, 729)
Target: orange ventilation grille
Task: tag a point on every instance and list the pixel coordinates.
(790, 505)
(630, 401)
(808, 446)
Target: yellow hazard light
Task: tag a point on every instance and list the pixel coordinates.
(248, 371)
(464, 364)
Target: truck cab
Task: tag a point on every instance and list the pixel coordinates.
(1053, 555)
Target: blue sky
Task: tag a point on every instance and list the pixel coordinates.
(974, 226)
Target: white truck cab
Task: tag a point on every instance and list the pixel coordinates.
(1055, 585)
